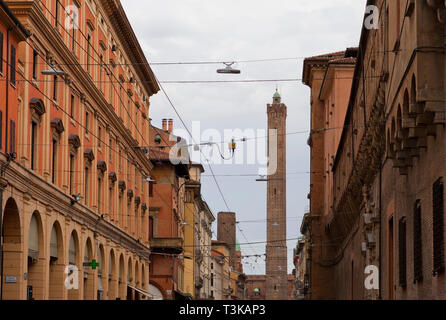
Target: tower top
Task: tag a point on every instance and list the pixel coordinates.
(276, 97)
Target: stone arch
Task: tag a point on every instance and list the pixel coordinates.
(12, 251)
(112, 284)
(35, 268)
(88, 272)
(57, 263)
(101, 272)
(74, 260)
(156, 291)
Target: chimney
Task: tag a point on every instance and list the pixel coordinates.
(170, 129)
(164, 124)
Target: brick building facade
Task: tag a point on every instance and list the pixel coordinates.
(387, 209)
(276, 248)
(255, 287)
(166, 213)
(75, 188)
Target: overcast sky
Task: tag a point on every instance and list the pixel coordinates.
(203, 30)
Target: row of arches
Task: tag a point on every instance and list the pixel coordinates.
(408, 128)
(65, 265)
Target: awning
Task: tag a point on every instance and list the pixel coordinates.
(143, 292)
(182, 296)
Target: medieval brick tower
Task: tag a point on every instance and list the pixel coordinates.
(276, 249)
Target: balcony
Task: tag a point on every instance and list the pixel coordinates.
(167, 245)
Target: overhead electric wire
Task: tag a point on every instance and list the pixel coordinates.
(209, 165)
(205, 81)
(224, 199)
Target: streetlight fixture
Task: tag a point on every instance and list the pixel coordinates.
(149, 179)
(228, 69)
(232, 148)
(54, 72)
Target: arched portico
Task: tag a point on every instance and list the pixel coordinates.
(12, 252)
(56, 264)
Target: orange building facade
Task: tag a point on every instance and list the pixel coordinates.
(74, 169)
(382, 235)
(166, 219)
(330, 78)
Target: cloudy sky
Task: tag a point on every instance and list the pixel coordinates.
(207, 31)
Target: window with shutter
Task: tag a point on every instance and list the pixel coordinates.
(12, 137)
(34, 132)
(1, 52)
(35, 62)
(402, 252)
(13, 65)
(438, 226)
(417, 243)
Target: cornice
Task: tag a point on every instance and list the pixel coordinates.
(124, 31)
(33, 18)
(28, 182)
